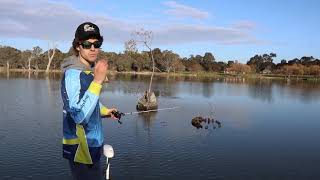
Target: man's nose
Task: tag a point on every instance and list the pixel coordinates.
(92, 47)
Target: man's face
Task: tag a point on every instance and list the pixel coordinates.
(88, 50)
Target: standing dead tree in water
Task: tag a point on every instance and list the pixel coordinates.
(51, 51)
(144, 37)
(8, 65)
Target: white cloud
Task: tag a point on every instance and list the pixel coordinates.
(182, 11)
(42, 19)
(179, 34)
(249, 25)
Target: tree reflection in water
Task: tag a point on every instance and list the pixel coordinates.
(147, 119)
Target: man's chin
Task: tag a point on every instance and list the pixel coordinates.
(92, 59)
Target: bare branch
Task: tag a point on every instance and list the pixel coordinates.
(145, 37)
(131, 46)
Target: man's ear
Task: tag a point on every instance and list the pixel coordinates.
(78, 48)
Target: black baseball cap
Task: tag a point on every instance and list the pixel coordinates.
(88, 30)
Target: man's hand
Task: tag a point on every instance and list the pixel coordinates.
(111, 113)
(117, 115)
(114, 114)
(100, 71)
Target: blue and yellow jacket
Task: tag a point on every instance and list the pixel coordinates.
(82, 125)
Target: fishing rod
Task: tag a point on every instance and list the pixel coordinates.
(152, 110)
(118, 114)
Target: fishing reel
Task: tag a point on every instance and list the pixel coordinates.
(117, 114)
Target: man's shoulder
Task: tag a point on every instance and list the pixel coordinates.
(72, 73)
(78, 74)
(68, 62)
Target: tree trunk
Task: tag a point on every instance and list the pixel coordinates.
(29, 63)
(50, 57)
(153, 65)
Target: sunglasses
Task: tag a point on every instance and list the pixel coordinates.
(88, 45)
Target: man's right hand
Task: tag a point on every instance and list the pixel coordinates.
(100, 71)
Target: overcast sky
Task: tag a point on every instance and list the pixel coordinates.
(231, 30)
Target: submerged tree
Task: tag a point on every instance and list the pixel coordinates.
(144, 37)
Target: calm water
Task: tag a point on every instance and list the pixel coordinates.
(270, 129)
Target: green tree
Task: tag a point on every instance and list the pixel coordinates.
(167, 61)
(283, 61)
(207, 61)
(9, 57)
(123, 63)
(230, 63)
(192, 64)
(261, 62)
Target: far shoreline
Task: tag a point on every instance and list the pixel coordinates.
(186, 74)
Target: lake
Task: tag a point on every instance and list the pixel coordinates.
(270, 129)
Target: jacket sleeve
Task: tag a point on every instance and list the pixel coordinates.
(104, 111)
(81, 109)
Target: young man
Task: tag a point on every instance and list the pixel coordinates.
(80, 89)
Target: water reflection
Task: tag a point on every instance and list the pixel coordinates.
(31, 75)
(249, 109)
(148, 119)
(170, 86)
(266, 89)
(263, 90)
(207, 89)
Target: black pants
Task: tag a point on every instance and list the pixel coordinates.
(84, 172)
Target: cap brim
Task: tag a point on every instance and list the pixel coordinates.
(89, 36)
